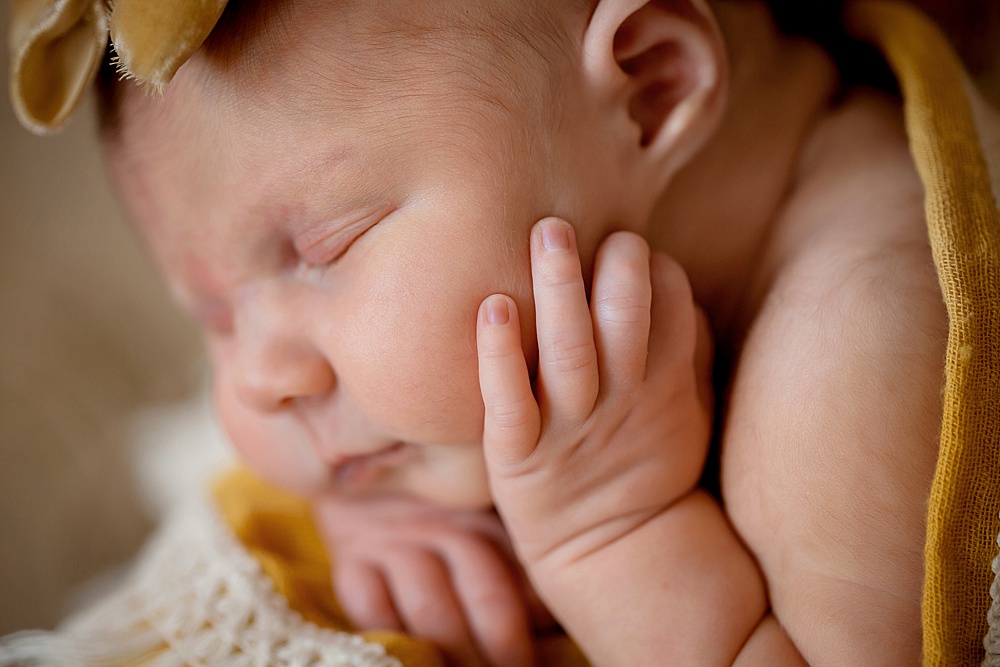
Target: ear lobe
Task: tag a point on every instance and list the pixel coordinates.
(666, 71)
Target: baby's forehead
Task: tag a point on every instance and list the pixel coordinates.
(273, 93)
(370, 40)
(272, 64)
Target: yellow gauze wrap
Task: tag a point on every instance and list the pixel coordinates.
(964, 226)
(278, 531)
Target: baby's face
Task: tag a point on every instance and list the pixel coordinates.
(335, 242)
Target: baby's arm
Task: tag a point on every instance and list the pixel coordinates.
(596, 481)
(837, 406)
(834, 413)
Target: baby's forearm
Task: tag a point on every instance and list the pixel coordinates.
(680, 589)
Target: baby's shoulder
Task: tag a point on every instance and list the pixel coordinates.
(848, 279)
(834, 406)
(852, 232)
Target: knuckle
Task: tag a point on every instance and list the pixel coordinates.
(496, 353)
(566, 354)
(622, 309)
(560, 272)
(511, 413)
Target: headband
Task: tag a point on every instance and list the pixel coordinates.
(57, 47)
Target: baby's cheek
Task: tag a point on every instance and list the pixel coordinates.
(419, 377)
(411, 339)
(410, 360)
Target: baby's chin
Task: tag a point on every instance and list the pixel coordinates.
(450, 476)
(450, 495)
(468, 499)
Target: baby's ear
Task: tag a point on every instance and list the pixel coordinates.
(660, 66)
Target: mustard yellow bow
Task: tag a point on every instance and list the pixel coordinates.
(57, 46)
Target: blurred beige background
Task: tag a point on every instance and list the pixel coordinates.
(87, 336)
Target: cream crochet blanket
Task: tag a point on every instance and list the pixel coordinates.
(195, 598)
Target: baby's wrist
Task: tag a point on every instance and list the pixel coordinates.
(683, 569)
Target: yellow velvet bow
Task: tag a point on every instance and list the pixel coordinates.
(57, 46)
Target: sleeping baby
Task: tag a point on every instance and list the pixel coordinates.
(615, 314)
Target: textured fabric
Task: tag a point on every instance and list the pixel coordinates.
(57, 47)
(195, 598)
(277, 529)
(964, 226)
(992, 641)
(988, 124)
(153, 39)
(242, 582)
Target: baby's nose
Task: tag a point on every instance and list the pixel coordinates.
(276, 373)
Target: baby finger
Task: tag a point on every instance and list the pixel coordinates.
(512, 421)
(567, 355)
(364, 597)
(620, 303)
(673, 323)
(428, 606)
(495, 608)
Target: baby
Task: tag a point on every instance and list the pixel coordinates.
(462, 255)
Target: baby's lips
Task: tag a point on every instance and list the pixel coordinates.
(360, 470)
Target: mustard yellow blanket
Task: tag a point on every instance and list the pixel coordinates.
(258, 565)
(963, 518)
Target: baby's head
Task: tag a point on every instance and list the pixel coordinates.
(332, 188)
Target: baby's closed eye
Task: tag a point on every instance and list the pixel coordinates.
(327, 242)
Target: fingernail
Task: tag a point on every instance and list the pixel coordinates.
(555, 235)
(497, 311)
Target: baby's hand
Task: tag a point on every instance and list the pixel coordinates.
(618, 427)
(444, 575)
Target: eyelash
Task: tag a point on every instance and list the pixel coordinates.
(365, 225)
(330, 261)
(313, 271)
(307, 269)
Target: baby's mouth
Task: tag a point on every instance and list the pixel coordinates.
(360, 471)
